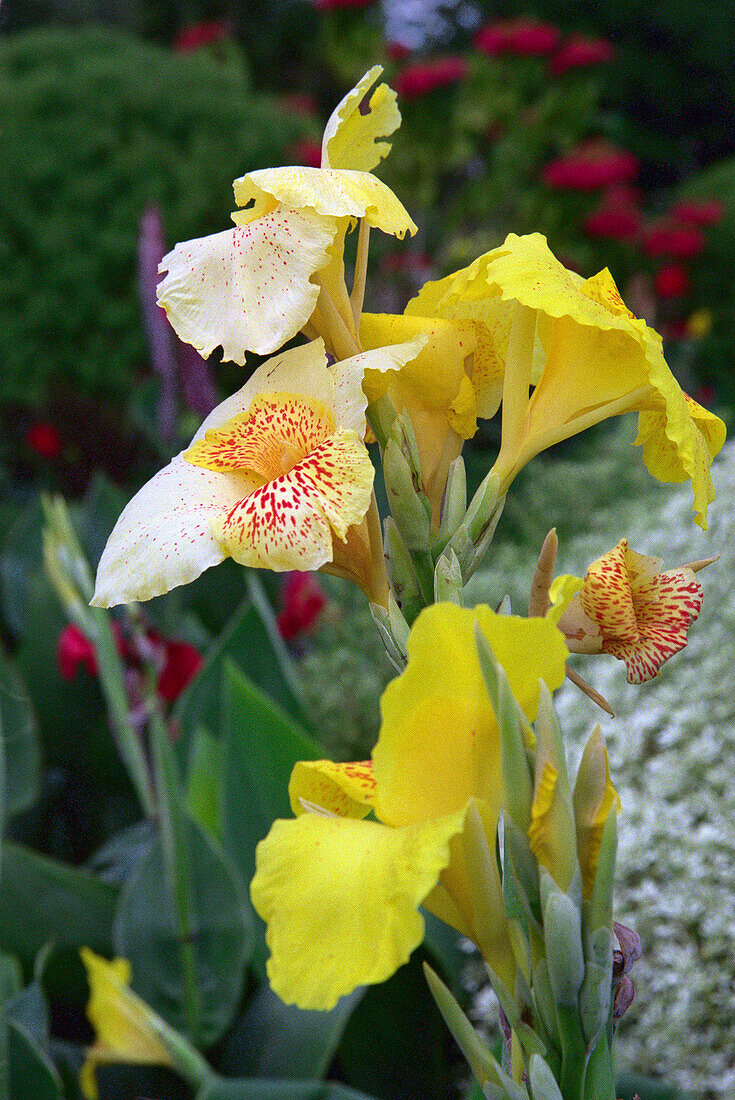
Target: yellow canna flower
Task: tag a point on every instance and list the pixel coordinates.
(280, 270)
(340, 892)
(126, 1028)
(277, 477)
(625, 606)
(585, 355)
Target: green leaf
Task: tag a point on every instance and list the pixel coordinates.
(31, 1071)
(273, 1039)
(11, 977)
(277, 1090)
(146, 933)
(261, 745)
(29, 1009)
(77, 907)
(203, 781)
(21, 559)
(20, 740)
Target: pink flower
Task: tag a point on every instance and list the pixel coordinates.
(302, 600)
(44, 440)
(522, 37)
(307, 152)
(417, 80)
(674, 239)
(579, 52)
(201, 34)
(702, 212)
(671, 281)
(595, 164)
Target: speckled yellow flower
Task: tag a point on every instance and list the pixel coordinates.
(574, 355)
(280, 270)
(340, 890)
(277, 477)
(627, 607)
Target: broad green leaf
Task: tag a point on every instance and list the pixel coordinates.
(20, 560)
(273, 1039)
(442, 945)
(20, 740)
(261, 745)
(11, 977)
(77, 908)
(31, 1071)
(146, 933)
(277, 1090)
(203, 781)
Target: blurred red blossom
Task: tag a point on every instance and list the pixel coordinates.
(397, 51)
(44, 439)
(302, 601)
(677, 240)
(616, 216)
(306, 152)
(579, 52)
(522, 37)
(300, 103)
(596, 163)
(671, 281)
(702, 212)
(201, 34)
(423, 77)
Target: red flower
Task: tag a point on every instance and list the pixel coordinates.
(417, 80)
(674, 239)
(307, 152)
(302, 601)
(397, 51)
(595, 164)
(672, 281)
(182, 665)
(702, 212)
(199, 34)
(44, 440)
(617, 216)
(522, 37)
(72, 650)
(330, 5)
(578, 52)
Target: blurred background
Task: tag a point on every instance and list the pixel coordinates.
(608, 128)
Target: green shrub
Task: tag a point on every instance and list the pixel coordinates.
(94, 126)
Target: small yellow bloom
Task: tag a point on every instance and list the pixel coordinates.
(628, 608)
(126, 1028)
(278, 476)
(340, 892)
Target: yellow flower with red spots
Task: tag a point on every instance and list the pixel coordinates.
(627, 607)
(278, 476)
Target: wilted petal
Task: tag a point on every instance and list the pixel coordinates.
(341, 897)
(248, 288)
(350, 136)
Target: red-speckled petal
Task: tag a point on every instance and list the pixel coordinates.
(606, 595)
(288, 522)
(249, 288)
(347, 790)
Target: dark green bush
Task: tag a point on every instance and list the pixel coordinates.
(94, 126)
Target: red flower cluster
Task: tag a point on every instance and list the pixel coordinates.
(579, 52)
(422, 78)
(617, 215)
(302, 600)
(677, 240)
(703, 212)
(179, 661)
(521, 37)
(44, 440)
(200, 34)
(594, 164)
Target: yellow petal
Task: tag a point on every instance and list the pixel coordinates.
(594, 797)
(330, 192)
(439, 743)
(341, 899)
(288, 522)
(350, 136)
(249, 288)
(124, 1024)
(346, 790)
(541, 829)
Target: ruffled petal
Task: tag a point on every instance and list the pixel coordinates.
(248, 288)
(351, 134)
(350, 400)
(288, 522)
(439, 744)
(344, 790)
(330, 192)
(341, 899)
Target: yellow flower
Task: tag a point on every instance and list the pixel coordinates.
(627, 607)
(280, 270)
(340, 893)
(585, 355)
(126, 1028)
(277, 476)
